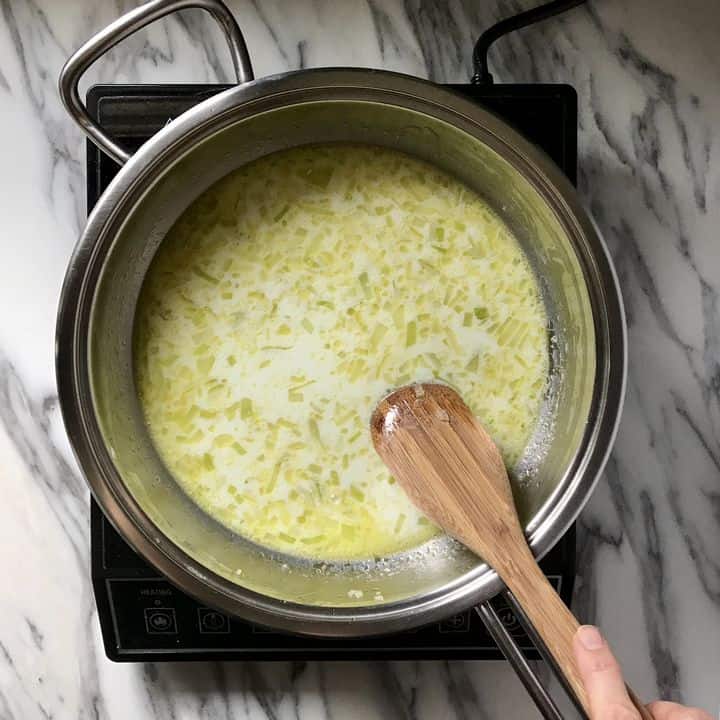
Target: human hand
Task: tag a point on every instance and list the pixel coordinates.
(605, 686)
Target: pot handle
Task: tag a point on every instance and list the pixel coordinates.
(495, 625)
(510, 649)
(136, 19)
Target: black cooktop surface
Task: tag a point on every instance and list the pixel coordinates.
(142, 616)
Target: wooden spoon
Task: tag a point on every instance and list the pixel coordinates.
(452, 470)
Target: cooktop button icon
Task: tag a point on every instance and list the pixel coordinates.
(160, 621)
(456, 624)
(510, 621)
(212, 621)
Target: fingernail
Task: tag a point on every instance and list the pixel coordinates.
(590, 637)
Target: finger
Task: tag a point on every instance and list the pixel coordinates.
(602, 677)
(661, 710)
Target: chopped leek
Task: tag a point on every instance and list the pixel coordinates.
(410, 334)
(288, 300)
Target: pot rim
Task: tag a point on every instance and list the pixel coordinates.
(166, 147)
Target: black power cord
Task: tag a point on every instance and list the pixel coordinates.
(482, 75)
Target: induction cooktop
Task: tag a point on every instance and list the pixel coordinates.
(142, 616)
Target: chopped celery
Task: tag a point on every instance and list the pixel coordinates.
(377, 335)
(281, 214)
(410, 334)
(364, 283)
(205, 275)
(246, 408)
(398, 316)
(205, 364)
(315, 431)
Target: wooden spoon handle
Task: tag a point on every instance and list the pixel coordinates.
(453, 471)
(551, 619)
(555, 625)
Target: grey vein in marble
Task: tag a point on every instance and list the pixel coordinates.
(649, 540)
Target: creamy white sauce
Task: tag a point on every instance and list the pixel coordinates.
(288, 300)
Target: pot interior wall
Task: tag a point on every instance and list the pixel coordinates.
(233, 142)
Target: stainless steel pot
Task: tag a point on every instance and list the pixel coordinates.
(106, 272)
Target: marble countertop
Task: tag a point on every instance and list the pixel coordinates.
(647, 77)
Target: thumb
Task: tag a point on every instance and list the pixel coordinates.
(602, 677)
